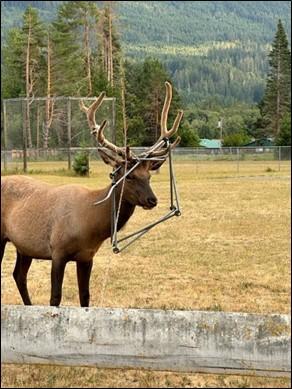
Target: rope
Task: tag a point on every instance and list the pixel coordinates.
(105, 282)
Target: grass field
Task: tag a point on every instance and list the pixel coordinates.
(230, 251)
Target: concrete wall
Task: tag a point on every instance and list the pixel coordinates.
(187, 341)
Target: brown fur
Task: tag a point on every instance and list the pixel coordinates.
(63, 224)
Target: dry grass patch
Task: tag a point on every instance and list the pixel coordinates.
(33, 376)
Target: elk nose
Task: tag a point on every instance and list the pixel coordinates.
(152, 201)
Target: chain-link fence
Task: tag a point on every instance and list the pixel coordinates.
(53, 133)
(236, 159)
(49, 129)
(227, 160)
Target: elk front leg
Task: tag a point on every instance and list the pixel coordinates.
(83, 276)
(57, 275)
(20, 276)
(2, 248)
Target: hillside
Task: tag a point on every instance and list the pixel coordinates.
(213, 49)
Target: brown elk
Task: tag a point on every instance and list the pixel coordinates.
(62, 223)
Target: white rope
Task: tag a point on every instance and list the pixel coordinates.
(105, 281)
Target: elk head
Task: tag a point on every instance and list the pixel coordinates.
(137, 189)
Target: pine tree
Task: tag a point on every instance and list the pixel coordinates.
(277, 97)
(12, 80)
(67, 54)
(284, 136)
(73, 41)
(145, 92)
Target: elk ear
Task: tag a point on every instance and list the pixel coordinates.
(109, 159)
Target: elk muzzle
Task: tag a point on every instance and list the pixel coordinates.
(151, 202)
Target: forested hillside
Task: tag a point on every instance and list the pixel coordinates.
(215, 51)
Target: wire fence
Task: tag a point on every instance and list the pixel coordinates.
(46, 134)
(228, 159)
(41, 129)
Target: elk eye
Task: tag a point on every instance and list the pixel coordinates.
(129, 177)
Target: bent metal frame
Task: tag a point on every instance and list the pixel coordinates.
(174, 202)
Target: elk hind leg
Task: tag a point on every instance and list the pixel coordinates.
(20, 276)
(83, 276)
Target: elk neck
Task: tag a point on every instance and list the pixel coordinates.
(103, 211)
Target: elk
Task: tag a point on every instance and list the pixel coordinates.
(62, 223)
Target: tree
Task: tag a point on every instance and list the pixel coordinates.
(189, 136)
(22, 58)
(145, 91)
(284, 136)
(235, 140)
(277, 97)
(109, 45)
(12, 80)
(68, 56)
(85, 15)
(33, 35)
(49, 107)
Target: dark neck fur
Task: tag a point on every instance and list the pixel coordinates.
(126, 211)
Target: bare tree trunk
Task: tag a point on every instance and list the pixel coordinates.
(49, 102)
(110, 49)
(122, 79)
(38, 130)
(24, 137)
(29, 86)
(87, 53)
(156, 116)
(278, 97)
(105, 56)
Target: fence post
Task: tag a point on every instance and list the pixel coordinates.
(237, 159)
(5, 134)
(197, 161)
(114, 137)
(69, 131)
(24, 134)
(279, 158)
(38, 130)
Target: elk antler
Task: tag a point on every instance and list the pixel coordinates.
(98, 130)
(156, 149)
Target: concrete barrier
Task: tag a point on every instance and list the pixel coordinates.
(182, 341)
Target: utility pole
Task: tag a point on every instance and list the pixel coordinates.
(220, 126)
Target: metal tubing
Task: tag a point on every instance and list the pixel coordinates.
(141, 232)
(178, 213)
(167, 216)
(170, 178)
(113, 216)
(175, 211)
(116, 184)
(125, 175)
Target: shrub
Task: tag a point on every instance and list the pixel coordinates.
(81, 163)
(189, 136)
(235, 140)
